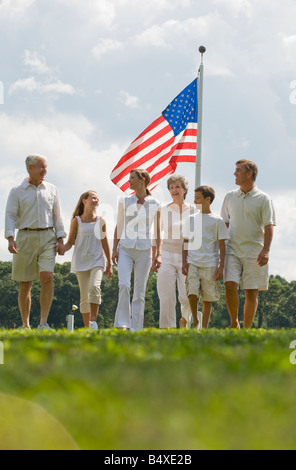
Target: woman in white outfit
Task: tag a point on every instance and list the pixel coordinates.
(88, 234)
(173, 216)
(132, 249)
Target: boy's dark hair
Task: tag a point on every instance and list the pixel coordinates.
(206, 191)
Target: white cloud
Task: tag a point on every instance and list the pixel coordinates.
(32, 85)
(289, 40)
(97, 12)
(50, 84)
(36, 62)
(1, 93)
(15, 6)
(175, 33)
(156, 36)
(154, 6)
(129, 101)
(103, 11)
(289, 45)
(106, 46)
(237, 6)
(283, 252)
(74, 165)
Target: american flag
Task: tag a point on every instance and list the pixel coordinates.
(170, 139)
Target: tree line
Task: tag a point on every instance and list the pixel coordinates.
(277, 306)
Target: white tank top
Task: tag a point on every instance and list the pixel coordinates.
(88, 250)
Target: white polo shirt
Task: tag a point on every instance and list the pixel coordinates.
(247, 215)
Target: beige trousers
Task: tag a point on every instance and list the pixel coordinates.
(90, 287)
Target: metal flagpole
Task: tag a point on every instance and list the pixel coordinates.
(202, 50)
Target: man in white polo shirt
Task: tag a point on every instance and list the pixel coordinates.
(34, 209)
(249, 214)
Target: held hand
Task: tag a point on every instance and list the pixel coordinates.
(156, 263)
(185, 269)
(263, 258)
(60, 248)
(12, 246)
(115, 257)
(109, 271)
(219, 273)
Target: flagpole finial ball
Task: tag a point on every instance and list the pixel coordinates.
(202, 49)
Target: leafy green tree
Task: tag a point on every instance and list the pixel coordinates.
(109, 288)
(66, 294)
(9, 311)
(151, 317)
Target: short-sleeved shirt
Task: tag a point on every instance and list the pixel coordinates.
(247, 215)
(207, 230)
(33, 207)
(137, 222)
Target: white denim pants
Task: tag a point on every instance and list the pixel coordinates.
(169, 273)
(131, 315)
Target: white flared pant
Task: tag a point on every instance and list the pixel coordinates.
(131, 315)
(169, 273)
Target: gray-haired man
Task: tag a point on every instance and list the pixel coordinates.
(34, 209)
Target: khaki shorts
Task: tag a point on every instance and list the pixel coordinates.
(36, 254)
(246, 272)
(201, 282)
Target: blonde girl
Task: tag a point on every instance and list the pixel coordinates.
(91, 250)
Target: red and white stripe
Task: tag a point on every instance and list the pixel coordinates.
(158, 151)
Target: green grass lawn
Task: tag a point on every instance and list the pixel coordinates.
(155, 390)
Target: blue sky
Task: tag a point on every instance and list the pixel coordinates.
(82, 79)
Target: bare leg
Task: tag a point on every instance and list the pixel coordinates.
(250, 308)
(193, 300)
(46, 295)
(206, 314)
(94, 310)
(24, 302)
(183, 323)
(92, 316)
(86, 319)
(232, 302)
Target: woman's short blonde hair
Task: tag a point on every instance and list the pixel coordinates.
(172, 179)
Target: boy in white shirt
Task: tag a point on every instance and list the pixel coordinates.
(204, 256)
